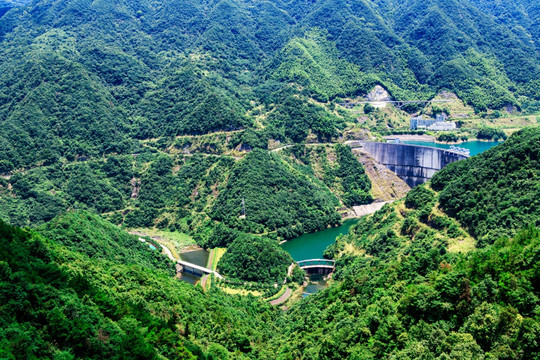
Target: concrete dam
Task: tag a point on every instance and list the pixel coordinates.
(412, 163)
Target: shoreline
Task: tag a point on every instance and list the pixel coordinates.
(190, 248)
(410, 137)
(354, 213)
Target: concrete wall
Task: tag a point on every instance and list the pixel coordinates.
(414, 164)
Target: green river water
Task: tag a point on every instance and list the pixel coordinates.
(312, 246)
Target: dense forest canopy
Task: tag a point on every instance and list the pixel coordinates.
(220, 122)
(409, 284)
(83, 79)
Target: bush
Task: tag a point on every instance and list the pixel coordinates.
(5, 166)
(368, 109)
(491, 134)
(447, 137)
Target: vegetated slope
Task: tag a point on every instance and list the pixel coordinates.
(411, 284)
(275, 198)
(497, 192)
(83, 79)
(197, 194)
(96, 238)
(254, 258)
(336, 167)
(59, 303)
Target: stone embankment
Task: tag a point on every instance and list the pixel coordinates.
(369, 209)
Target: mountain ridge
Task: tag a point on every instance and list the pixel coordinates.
(136, 53)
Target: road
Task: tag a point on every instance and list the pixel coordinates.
(282, 298)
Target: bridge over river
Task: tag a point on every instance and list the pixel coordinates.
(317, 266)
(196, 269)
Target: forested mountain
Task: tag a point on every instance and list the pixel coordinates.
(83, 79)
(450, 272)
(221, 120)
(410, 283)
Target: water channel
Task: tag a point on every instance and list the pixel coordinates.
(312, 246)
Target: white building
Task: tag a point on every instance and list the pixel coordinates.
(439, 124)
(442, 126)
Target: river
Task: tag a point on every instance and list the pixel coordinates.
(476, 147)
(312, 246)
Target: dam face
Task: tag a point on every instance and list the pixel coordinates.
(414, 164)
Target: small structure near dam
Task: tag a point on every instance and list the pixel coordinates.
(412, 163)
(317, 266)
(195, 269)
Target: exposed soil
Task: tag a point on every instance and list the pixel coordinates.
(386, 186)
(282, 298)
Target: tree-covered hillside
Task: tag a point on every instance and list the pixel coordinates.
(59, 303)
(412, 284)
(274, 198)
(193, 194)
(82, 79)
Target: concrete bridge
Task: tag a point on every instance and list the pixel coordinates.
(412, 163)
(317, 266)
(196, 269)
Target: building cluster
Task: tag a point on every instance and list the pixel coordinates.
(437, 124)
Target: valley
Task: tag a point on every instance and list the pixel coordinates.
(274, 180)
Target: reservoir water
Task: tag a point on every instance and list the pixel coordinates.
(476, 147)
(312, 246)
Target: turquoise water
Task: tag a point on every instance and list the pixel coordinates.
(313, 287)
(312, 246)
(152, 247)
(476, 147)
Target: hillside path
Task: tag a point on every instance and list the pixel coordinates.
(282, 298)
